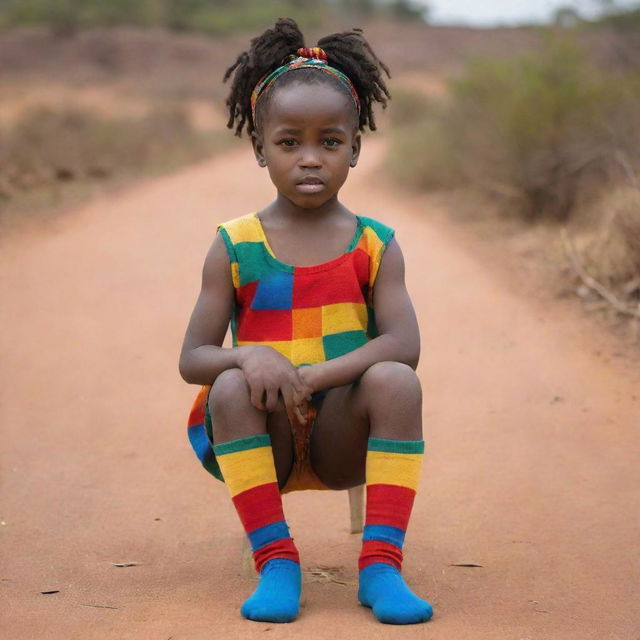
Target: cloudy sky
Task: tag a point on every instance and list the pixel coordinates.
(487, 12)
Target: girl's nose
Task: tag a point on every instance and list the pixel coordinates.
(309, 158)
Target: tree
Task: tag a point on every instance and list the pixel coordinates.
(566, 17)
(409, 10)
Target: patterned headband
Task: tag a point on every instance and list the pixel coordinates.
(308, 58)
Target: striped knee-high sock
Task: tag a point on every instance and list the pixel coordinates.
(392, 474)
(249, 472)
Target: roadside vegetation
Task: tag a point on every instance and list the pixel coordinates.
(51, 155)
(216, 17)
(539, 124)
(551, 137)
(96, 93)
(68, 16)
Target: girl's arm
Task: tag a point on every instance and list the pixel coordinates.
(273, 381)
(202, 358)
(399, 335)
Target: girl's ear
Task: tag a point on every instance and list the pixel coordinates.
(258, 147)
(355, 149)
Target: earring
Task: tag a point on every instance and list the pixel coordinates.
(262, 162)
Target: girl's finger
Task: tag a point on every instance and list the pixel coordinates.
(287, 397)
(272, 399)
(301, 394)
(256, 396)
(288, 393)
(297, 385)
(300, 416)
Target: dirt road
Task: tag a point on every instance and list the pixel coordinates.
(532, 466)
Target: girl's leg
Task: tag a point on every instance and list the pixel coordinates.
(237, 418)
(253, 471)
(372, 430)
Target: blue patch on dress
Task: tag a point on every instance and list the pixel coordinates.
(275, 291)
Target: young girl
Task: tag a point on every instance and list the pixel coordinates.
(319, 390)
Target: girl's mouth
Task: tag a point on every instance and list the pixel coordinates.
(310, 184)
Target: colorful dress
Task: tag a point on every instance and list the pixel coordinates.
(308, 314)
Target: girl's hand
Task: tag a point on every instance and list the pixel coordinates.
(273, 381)
(307, 381)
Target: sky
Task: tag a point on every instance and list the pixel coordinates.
(489, 12)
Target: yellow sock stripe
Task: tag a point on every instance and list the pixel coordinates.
(244, 470)
(402, 469)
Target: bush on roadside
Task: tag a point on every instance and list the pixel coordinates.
(624, 19)
(541, 131)
(47, 147)
(65, 17)
(611, 251)
(421, 155)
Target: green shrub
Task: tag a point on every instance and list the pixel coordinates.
(622, 19)
(211, 16)
(611, 250)
(46, 148)
(253, 16)
(541, 129)
(421, 155)
(66, 16)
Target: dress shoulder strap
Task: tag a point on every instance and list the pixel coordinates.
(241, 229)
(244, 244)
(375, 238)
(383, 232)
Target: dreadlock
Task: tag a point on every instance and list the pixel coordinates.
(347, 51)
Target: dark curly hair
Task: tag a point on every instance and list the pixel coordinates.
(347, 51)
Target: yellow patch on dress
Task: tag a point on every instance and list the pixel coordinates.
(373, 246)
(281, 346)
(235, 274)
(306, 351)
(344, 316)
(244, 229)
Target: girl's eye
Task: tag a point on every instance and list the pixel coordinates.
(332, 142)
(287, 142)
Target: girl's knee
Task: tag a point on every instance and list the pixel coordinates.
(228, 388)
(393, 380)
(393, 395)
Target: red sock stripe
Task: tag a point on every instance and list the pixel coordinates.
(378, 551)
(279, 549)
(389, 504)
(259, 506)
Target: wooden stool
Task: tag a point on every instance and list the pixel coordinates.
(356, 524)
(356, 508)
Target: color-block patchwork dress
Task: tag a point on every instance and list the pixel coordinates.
(309, 314)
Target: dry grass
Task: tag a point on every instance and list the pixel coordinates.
(545, 139)
(611, 251)
(114, 79)
(46, 153)
(83, 110)
(101, 108)
(541, 131)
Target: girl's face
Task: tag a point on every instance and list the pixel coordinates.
(308, 139)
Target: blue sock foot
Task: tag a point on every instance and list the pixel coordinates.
(277, 597)
(383, 589)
